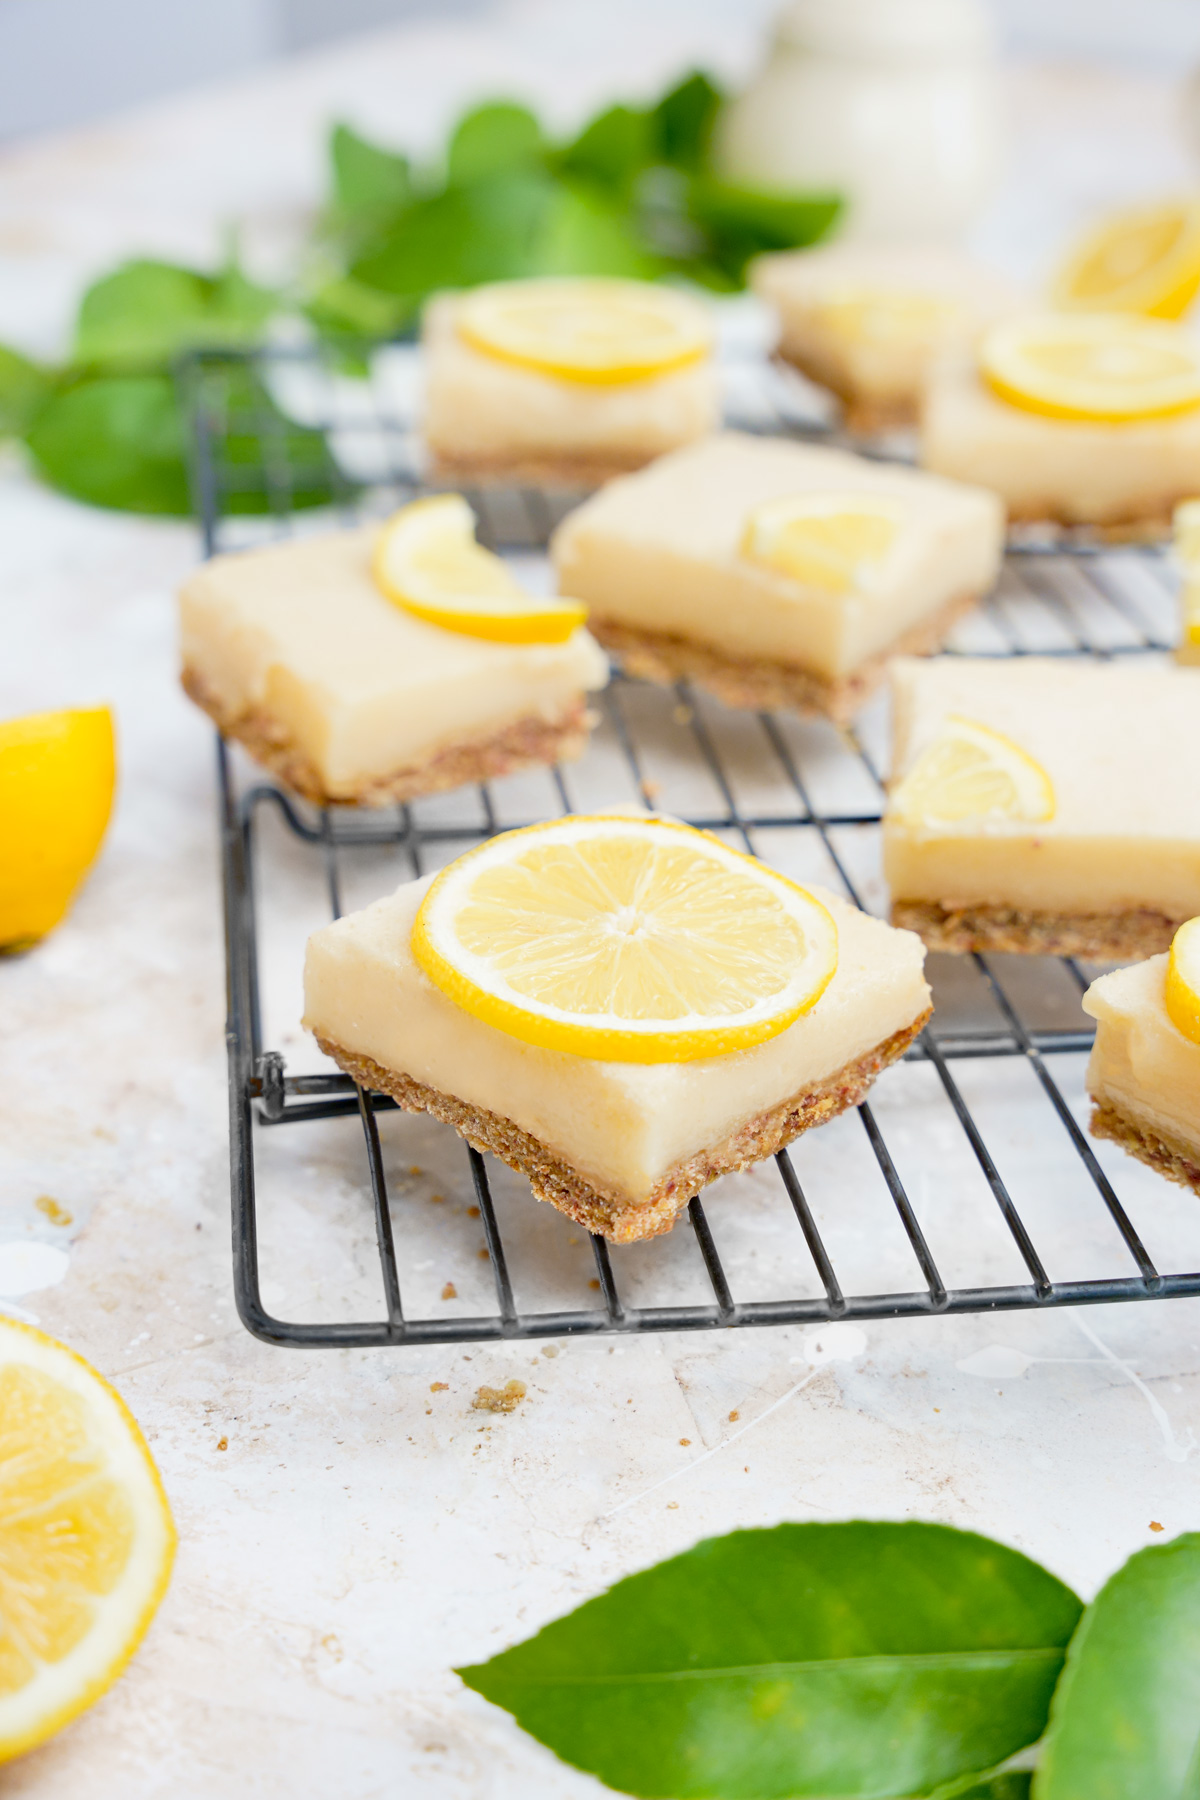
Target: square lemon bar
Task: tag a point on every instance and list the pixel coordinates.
(295, 651)
(1044, 806)
(867, 320)
(566, 382)
(618, 1146)
(1144, 1074)
(729, 563)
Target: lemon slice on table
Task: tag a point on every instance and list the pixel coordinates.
(835, 542)
(1146, 260)
(1182, 993)
(57, 775)
(427, 561)
(86, 1537)
(971, 773)
(1104, 366)
(595, 331)
(625, 939)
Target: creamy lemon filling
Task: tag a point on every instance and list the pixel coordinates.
(303, 633)
(1141, 1063)
(1118, 748)
(666, 550)
(623, 1126)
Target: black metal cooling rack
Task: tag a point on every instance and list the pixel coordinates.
(800, 793)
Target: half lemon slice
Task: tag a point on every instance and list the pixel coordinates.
(971, 774)
(593, 331)
(1146, 260)
(1105, 366)
(1183, 981)
(86, 1538)
(58, 772)
(427, 561)
(835, 542)
(628, 940)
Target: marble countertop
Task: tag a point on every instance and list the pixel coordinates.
(347, 1535)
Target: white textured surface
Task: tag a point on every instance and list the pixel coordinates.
(360, 1534)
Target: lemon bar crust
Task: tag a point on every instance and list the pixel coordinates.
(1099, 937)
(620, 1220)
(863, 415)
(565, 471)
(525, 743)
(1172, 1159)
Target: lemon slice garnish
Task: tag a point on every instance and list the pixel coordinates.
(427, 561)
(1183, 981)
(57, 775)
(1105, 366)
(593, 331)
(1146, 260)
(872, 315)
(1187, 555)
(835, 542)
(969, 775)
(629, 940)
(86, 1538)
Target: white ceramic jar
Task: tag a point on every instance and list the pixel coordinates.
(892, 103)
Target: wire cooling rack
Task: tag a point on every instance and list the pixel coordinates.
(968, 1183)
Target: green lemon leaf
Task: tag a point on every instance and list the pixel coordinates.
(485, 231)
(115, 441)
(613, 149)
(367, 179)
(584, 232)
(145, 312)
(497, 139)
(24, 388)
(855, 1660)
(683, 121)
(742, 222)
(1126, 1718)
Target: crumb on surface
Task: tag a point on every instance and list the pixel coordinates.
(734, 1415)
(672, 1506)
(437, 1199)
(472, 1212)
(438, 1387)
(549, 1349)
(414, 1168)
(483, 1253)
(449, 1292)
(50, 1209)
(685, 1441)
(594, 1283)
(223, 1443)
(499, 1400)
(1155, 1526)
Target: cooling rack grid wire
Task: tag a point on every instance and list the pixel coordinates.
(967, 1183)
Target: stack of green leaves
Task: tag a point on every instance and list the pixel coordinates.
(634, 194)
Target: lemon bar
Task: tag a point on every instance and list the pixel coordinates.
(1144, 1074)
(1187, 562)
(618, 1146)
(295, 651)
(668, 563)
(1044, 806)
(492, 412)
(868, 320)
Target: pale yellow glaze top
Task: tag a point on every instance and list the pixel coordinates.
(1141, 1062)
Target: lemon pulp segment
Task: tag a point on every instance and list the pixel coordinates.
(968, 774)
(86, 1537)
(1182, 994)
(835, 542)
(427, 561)
(594, 331)
(1146, 260)
(628, 940)
(57, 776)
(1110, 367)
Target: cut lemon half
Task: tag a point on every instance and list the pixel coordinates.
(1146, 260)
(835, 542)
(625, 939)
(57, 775)
(969, 774)
(1183, 981)
(86, 1537)
(1104, 366)
(427, 561)
(594, 331)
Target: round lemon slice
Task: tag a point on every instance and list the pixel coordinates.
(1146, 260)
(57, 775)
(1104, 366)
(427, 561)
(1183, 981)
(598, 332)
(971, 774)
(625, 939)
(835, 542)
(86, 1538)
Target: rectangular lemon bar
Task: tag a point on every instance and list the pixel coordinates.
(1116, 868)
(619, 1147)
(294, 651)
(1144, 1075)
(658, 558)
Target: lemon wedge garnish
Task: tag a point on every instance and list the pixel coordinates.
(969, 774)
(86, 1538)
(835, 542)
(1146, 260)
(625, 939)
(1105, 366)
(869, 315)
(1183, 981)
(57, 775)
(591, 330)
(427, 561)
